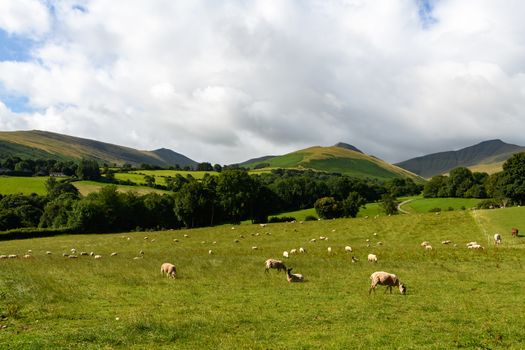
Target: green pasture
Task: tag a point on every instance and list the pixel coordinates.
(457, 298)
(87, 187)
(24, 185)
(423, 205)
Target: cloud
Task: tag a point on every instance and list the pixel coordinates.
(227, 81)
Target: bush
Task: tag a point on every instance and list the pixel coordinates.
(434, 210)
(311, 218)
(450, 209)
(488, 204)
(275, 219)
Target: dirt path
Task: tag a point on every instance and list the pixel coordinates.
(403, 203)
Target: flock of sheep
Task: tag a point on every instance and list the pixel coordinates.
(377, 278)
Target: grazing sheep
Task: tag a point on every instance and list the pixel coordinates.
(3, 256)
(92, 254)
(65, 255)
(515, 232)
(274, 264)
(84, 253)
(372, 258)
(293, 251)
(138, 258)
(302, 250)
(312, 240)
(186, 236)
(28, 256)
(114, 254)
(141, 252)
(329, 250)
(285, 254)
(175, 240)
(169, 270)
(236, 241)
(146, 238)
(379, 243)
(425, 243)
(12, 256)
(475, 246)
(254, 248)
(428, 247)
(72, 257)
(497, 238)
(48, 252)
(348, 249)
(446, 242)
(98, 256)
(385, 279)
(354, 259)
(210, 252)
(214, 242)
(322, 238)
(294, 277)
(472, 243)
(262, 225)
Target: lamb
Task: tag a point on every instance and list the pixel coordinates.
(372, 258)
(497, 238)
(348, 249)
(274, 264)
(385, 279)
(294, 277)
(169, 270)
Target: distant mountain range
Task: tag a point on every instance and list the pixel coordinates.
(487, 156)
(44, 144)
(341, 158)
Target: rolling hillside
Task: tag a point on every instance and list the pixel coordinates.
(43, 144)
(344, 159)
(487, 156)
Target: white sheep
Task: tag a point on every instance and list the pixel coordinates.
(302, 250)
(255, 248)
(12, 256)
(372, 258)
(72, 257)
(3, 256)
(285, 254)
(312, 240)
(169, 270)
(294, 277)
(329, 250)
(348, 249)
(48, 252)
(210, 252)
(475, 246)
(97, 256)
(497, 238)
(293, 251)
(84, 253)
(385, 279)
(446, 242)
(428, 247)
(114, 254)
(424, 244)
(274, 264)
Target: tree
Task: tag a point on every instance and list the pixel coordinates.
(88, 170)
(459, 182)
(328, 208)
(149, 180)
(204, 166)
(435, 186)
(234, 192)
(388, 204)
(513, 178)
(352, 204)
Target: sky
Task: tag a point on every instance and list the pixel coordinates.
(226, 81)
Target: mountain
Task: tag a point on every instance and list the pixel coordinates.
(340, 159)
(256, 160)
(348, 146)
(44, 144)
(487, 156)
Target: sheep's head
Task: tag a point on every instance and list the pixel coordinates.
(402, 289)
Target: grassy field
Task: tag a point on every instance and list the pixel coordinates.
(371, 209)
(457, 298)
(423, 205)
(87, 187)
(24, 185)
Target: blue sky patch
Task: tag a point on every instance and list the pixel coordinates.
(425, 12)
(14, 47)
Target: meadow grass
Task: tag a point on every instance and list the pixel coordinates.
(456, 298)
(423, 205)
(87, 187)
(24, 185)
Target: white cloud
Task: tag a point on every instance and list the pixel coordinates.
(230, 80)
(24, 17)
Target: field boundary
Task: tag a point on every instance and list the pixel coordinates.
(475, 215)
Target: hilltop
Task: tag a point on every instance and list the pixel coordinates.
(44, 144)
(487, 156)
(341, 158)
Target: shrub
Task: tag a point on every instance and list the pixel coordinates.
(488, 204)
(310, 218)
(275, 219)
(434, 210)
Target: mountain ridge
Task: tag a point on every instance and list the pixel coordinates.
(488, 155)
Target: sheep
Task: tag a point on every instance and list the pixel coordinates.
(210, 252)
(262, 225)
(274, 264)
(114, 254)
(293, 277)
(302, 250)
(322, 238)
(285, 254)
(425, 243)
(475, 246)
(329, 250)
(472, 243)
(446, 242)
(169, 270)
(293, 251)
(84, 253)
(428, 247)
(48, 252)
(348, 249)
(3, 256)
(254, 248)
(312, 240)
(12, 256)
(385, 279)
(372, 258)
(72, 257)
(497, 238)
(354, 259)
(97, 257)
(235, 241)
(186, 236)
(28, 256)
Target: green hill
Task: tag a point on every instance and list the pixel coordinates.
(43, 144)
(487, 156)
(340, 159)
